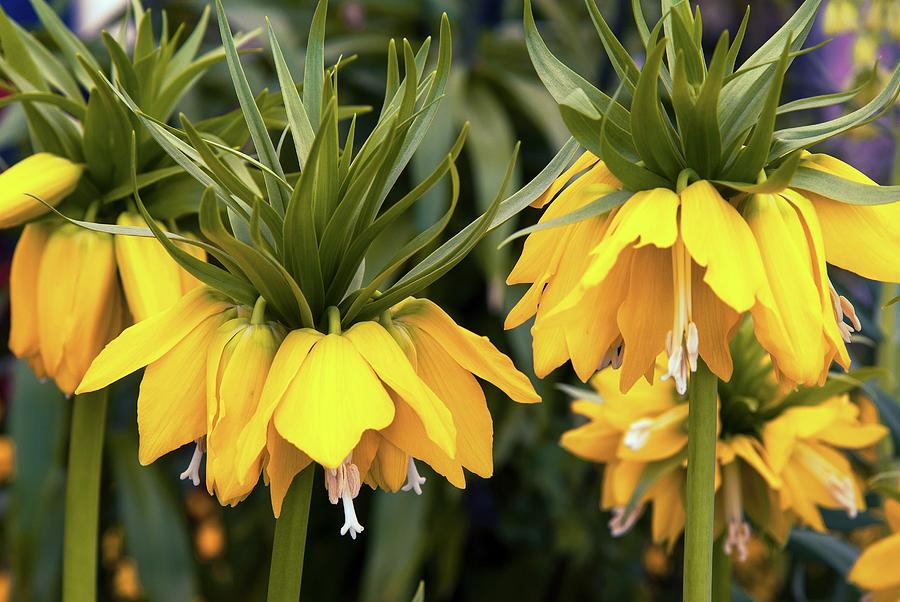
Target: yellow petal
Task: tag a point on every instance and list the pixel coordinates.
(860, 238)
(388, 361)
(597, 440)
(463, 396)
(645, 315)
(23, 282)
(586, 160)
(716, 323)
(388, 469)
(56, 293)
(149, 340)
(625, 478)
(474, 353)
(171, 407)
(668, 508)
(666, 435)
(365, 451)
(238, 397)
(285, 462)
(876, 568)
(798, 484)
(290, 356)
(188, 281)
(150, 277)
(334, 398)
(643, 399)
(43, 175)
(718, 239)
(751, 452)
(892, 514)
(221, 346)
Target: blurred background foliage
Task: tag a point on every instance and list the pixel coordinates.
(534, 531)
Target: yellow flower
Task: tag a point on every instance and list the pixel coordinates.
(173, 346)
(773, 470)
(43, 175)
(876, 568)
(66, 301)
(840, 16)
(364, 403)
(674, 272)
(77, 306)
(151, 280)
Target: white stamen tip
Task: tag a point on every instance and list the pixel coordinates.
(414, 480)
(637, 434)
(622, 521)
(351, 523)
(193, 470)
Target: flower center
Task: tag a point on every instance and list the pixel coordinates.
(842, 307)
(623, 520)
(839, 485)
(682, 340)
(738, 536)
(343, 484)
(414, 480)
(192, 472)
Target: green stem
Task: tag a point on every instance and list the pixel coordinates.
(721, 584)
(288, 549)
(698, 531)
(83, 496)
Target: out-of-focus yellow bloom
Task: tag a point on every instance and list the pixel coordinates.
(43, 175)
(173, 346)
(78, 304)
(876, 568)
(674, 272)
(776, 472)
(126, 584)
(364, 403)
(151, 279)
(210, 539)
(7, 458)
(840, 16)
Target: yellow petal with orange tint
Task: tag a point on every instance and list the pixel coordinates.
(285, 462)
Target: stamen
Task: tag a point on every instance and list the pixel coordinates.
(193, 470)
(414, 481)
(842, 307)
(682, 342)
(343, 484)
(613, 356)
(622, 522)
(738, 537)
(638, 433)
(838, 484)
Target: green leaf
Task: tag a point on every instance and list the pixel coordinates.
(560, 80)
(846, 191)
(735, 47)
(75, 109)
(51, 68)
(776, 181)
(619, 58)
(507, 208)
(606, 201)
(301, 128)
(837, 554)
(124, 70)
(314, 68)
(742, 97)
(17, 54)
(186, 53)
(823, 100)
(791, 139)
(68, 43)
(261, 140)
(650, 129)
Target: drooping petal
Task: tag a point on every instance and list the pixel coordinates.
(388, 361)
(864, 239)
(333, 399)
(286, 364)
(474, 353)
(285, 462)
(586, 160)
(597, 440)
(876, 568)
(751, 452)
(171, 409)
(645, 315)
(716, 323)
(388, 468)
(150, 277)
(718, 239)
(23, 290)
(462, 394)
(46, 176)
(56, 293)
(149, 340)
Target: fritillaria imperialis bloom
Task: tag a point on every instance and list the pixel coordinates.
(778, 462)
(697, 217)
(365, 403)
(43, 175)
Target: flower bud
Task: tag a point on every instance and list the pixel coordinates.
(43, 175)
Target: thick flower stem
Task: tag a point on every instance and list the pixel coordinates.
(290, 540)
(698, 536)
(721, 585)
(83, 496)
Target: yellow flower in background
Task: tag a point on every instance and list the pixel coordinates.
(65, 299)
(364, 403)
(876, 569)
(43, 175)
(151, 280)
(774, 468)
(674, 272)
(840, 16)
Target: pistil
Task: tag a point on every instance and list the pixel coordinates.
(738, 535)
(414, 480)
(343, 484)
(193, 470)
